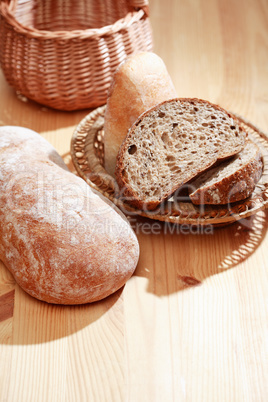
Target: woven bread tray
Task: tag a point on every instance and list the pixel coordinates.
(87, 153)
(63, 53)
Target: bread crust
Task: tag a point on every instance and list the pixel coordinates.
(131, 197)
(139, 83)
(61, 241)
(233, 188)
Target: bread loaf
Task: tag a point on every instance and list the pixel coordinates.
(60, 240)
(231, 181)
(171, 144)
(139, 83)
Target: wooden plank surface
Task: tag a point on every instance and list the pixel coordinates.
(191, 324)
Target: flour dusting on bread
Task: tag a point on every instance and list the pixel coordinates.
(61, 241)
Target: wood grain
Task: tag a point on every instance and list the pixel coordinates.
(6, 305)
(191, 324)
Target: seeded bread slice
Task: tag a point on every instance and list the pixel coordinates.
(171, 144)
(231, 181)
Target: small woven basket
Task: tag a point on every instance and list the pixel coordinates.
(63, 53)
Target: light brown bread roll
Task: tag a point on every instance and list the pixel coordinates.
(140, 82)
(61, 241)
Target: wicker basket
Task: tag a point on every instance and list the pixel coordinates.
(62, 53)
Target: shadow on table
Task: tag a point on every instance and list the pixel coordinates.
(174, 259)
(17, 110)
(25, 320)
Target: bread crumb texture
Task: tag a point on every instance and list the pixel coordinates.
(172, 143)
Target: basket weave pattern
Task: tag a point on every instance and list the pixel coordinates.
(63, 53)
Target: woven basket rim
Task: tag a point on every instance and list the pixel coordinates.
(7, 12)
(88, 166)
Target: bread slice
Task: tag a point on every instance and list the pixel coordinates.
(139, 83)
(231, 181)
(171, 144)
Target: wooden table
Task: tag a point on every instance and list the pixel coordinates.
(191, 324)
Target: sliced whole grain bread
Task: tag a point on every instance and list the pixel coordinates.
(171, 144)
(231, 181)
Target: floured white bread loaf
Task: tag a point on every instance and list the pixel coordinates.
(140, 82)
(61, 241)
(170, 145)
(231, 181)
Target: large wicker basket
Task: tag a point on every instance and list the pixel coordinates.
(62, 53)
